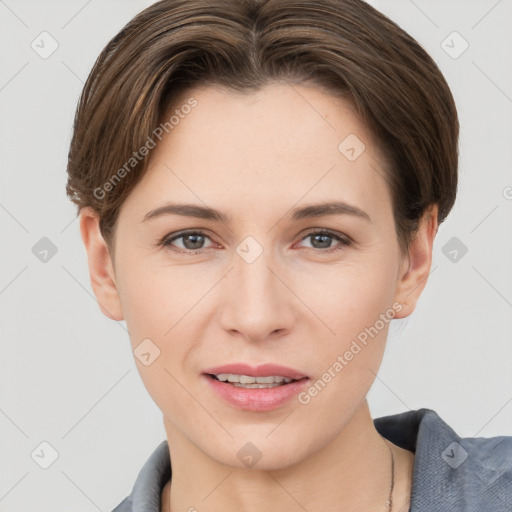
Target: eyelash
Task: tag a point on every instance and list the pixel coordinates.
(343, 239)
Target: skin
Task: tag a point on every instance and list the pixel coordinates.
(255, 157)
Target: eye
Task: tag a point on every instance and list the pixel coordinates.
(192, 241)
(322, 239)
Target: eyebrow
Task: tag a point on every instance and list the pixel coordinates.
(305, 212)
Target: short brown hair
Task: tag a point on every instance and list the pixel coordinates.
(343, 46)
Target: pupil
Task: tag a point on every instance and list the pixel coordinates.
(197, 244)
(326, 240)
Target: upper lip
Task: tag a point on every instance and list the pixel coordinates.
(263, 370)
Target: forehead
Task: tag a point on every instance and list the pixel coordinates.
(275, 113)
(278, 144)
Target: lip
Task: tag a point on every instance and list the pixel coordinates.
(255, 399)
(263, 370)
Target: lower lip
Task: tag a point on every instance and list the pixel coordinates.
(256, 399)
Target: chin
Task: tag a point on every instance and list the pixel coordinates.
(258, 452)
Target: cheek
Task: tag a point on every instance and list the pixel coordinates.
(156, 299)
(158, 307)
(347, 359)
(163, 308)
(349, 297)
(350, 340)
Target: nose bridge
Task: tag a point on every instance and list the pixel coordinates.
(257, 299)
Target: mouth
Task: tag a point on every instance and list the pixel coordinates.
(250, 382)
(255, 388)
(244, 375)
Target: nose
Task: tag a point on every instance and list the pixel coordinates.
(258, 303)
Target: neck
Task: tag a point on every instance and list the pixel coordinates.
(353, 471)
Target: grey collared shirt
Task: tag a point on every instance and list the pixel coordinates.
(451, 474)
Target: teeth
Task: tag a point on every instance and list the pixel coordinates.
(246, 379)
(251, 386)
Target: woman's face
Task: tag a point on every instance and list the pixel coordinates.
(259, 287)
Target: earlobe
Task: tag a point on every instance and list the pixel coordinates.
(101, 270)
(416, 267)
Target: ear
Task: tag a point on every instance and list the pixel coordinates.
(416, 265)
(101, 269)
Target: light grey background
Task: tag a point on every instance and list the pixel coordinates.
(67, 375)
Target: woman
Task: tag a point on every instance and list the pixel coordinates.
(259, 186)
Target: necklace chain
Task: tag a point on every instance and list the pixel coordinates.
(389, 502)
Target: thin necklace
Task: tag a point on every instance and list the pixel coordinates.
(389, 502)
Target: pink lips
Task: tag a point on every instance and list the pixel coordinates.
(264, 370)
(256, 399)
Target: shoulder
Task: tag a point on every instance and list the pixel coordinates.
(460, 474)
(486, 453)
(489, 452)
(147, 489)
(483, 469)
(465, 473)
(124, 506)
